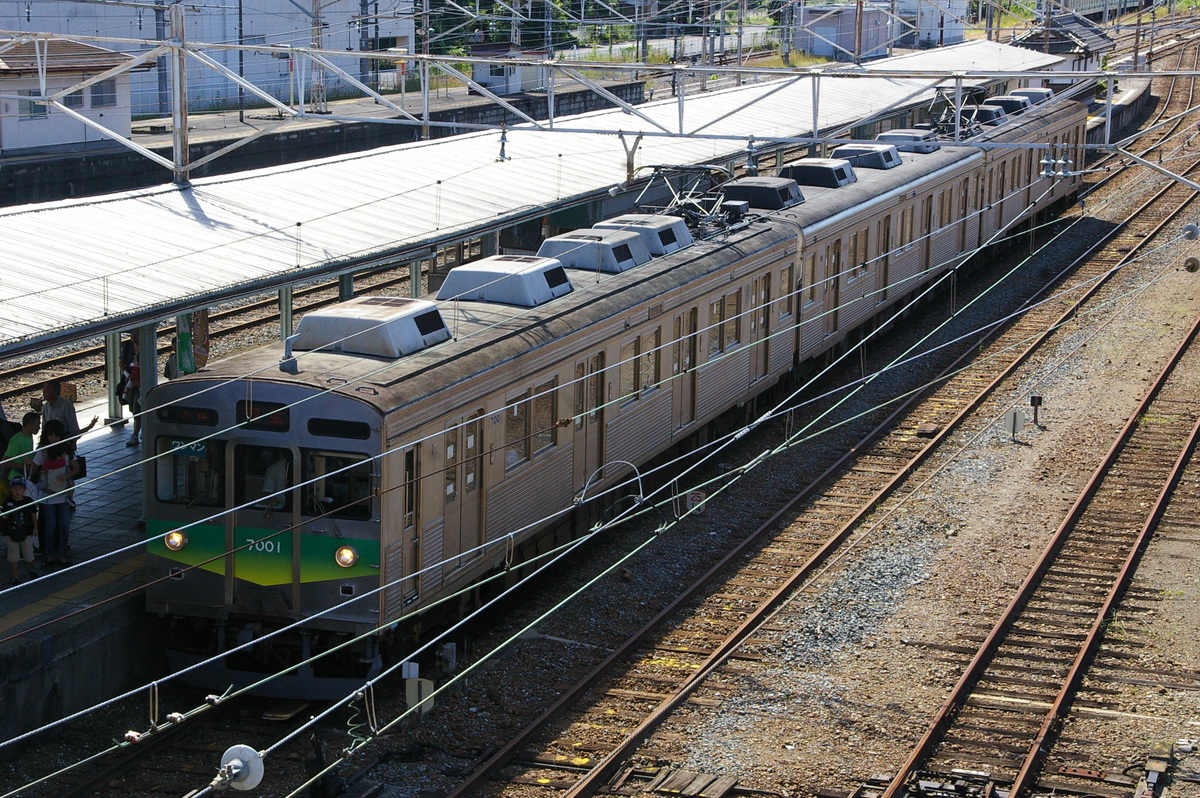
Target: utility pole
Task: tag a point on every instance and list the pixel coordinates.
(425, 68)
(785, 45)
(364, 41)
(179, 98)
(164, 72)
(740, 22)
(319, 103)
(1137, 41)
(858, 25)
(241, 65)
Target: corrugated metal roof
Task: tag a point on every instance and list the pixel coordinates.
(60, 55)
(978, 55)
(78, 268)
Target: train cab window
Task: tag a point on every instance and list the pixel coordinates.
(339, 428)
(190, 472)
(259, 472)
(337, 484)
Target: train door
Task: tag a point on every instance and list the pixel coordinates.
(760, 314)
(411, 487)
(265, 570)
(833, 285)
(463, 474)
(589, 417)
(885, 258)
(683, 368)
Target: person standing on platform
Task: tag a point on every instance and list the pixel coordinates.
(18, 524)
(18, 456)
(56, 407)
(56, 461)
(131, 378)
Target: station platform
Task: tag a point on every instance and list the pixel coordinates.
(77, 635)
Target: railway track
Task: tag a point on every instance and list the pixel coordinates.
(584, 742)
(1003, 715)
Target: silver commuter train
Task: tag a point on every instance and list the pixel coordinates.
(393, 437)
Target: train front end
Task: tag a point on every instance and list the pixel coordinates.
(262, 513)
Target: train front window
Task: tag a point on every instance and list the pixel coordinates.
(190, 472)
(337, 484)
(260, 473)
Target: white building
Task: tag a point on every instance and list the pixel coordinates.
(27, 123)
(934, 22)
(347, 25)
(505, 79)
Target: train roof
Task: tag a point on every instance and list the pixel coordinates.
(486, 334)
(1031, 122)
(229, 236)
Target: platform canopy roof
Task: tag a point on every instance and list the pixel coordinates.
(76, 269)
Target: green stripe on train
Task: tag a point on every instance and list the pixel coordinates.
(265, 559)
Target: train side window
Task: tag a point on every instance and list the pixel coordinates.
(545, 415)
(716, 323)
(785, 290)
(648, 369)
(190, 472)
(733, 319)
(260, 471)
(810, 277)
(639, 372)
(860, 246)
(410, 488)
(906, 227)
(627, 371)
(516, 431)
(338, 484)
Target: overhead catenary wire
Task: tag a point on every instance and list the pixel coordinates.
(358, 743)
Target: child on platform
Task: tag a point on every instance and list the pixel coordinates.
(19, 524)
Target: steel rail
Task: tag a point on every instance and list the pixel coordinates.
(591, 782)
(943, 720)
(1161, 112)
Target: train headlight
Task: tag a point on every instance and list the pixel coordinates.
(345, 556)
(175, 541)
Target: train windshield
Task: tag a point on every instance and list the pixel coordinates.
(190, 472)
(337, 484)
(261, 472)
